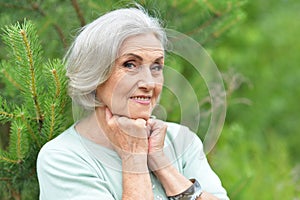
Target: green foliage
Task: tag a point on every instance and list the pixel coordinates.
(263, 51)
(36, 114)
(250, 163)
(258, 152)
(35, 88)
(58, 20)
(266, 54)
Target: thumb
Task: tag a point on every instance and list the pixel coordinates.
(150, 123)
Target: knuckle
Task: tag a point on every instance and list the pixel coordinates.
(140, 122)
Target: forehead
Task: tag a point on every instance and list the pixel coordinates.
(141, 43)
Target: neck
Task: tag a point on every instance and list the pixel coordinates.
(93, 128)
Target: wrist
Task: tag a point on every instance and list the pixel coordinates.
(192, 193)
(157, 160)
(173, 182)
(134, 163)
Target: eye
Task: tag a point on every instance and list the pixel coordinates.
(129, 65)
(156, 67)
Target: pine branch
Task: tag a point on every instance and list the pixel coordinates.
(22, 40)
(219, 32)
(5, 115)
(203, 26)
(14, 6)
(32, 75)
(55, 102)
(53, 105)
(19, 155)
(5, 111)
(52, 122)
(6, 159)
(5, 179)
(57, 82)
(38, 8)
(220, 19)
(215, 11)
(18, 146)
(31, 132)
(11, 80)
(78, 12)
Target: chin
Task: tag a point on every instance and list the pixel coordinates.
(145, 117)
(140, 115)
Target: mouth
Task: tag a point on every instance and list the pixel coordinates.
(142, 99)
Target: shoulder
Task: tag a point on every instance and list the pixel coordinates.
(180, 141)
(64, 149)
(64, 165)
(63, 142)
(181, 134)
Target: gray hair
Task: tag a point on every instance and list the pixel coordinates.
(90, 59)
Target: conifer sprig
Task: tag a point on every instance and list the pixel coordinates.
(6, 114)
(26, 61)
(38, 114)
(55, 101)
(18, 147)
(10, 79)
(33, 89)
(4, 157)
(33, 135)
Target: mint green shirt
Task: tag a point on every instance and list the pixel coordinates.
(73, 167)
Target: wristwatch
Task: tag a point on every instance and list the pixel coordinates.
(192, 193)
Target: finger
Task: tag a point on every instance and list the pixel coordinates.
(156, 124)
(108, 114)
(148, 129)
(124, 121)
(133, 127)
(140, 122)
(150, 122)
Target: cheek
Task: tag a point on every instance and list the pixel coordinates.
(159, 86)
(106, 91)
(158, 89)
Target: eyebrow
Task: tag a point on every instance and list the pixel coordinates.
(140, 58)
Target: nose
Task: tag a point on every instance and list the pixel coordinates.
(146, 79)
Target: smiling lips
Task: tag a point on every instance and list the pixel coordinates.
(142, 99)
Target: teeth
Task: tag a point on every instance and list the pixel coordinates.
(141, 98)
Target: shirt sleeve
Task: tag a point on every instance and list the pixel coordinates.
(63, 175)
(195, 165)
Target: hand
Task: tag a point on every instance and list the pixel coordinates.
(128, 136)
(158, 131)
(156, 157)
(207, 196)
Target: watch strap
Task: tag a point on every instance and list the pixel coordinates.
(192, 193)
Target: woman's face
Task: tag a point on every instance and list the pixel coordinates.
(136, 81)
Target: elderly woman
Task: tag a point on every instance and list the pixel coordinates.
(118, 151)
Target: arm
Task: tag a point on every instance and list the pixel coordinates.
(129, 138)
(136, 185)
(196, 165)
(175, 183)
(172, 180)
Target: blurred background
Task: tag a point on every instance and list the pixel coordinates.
(256, 47)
